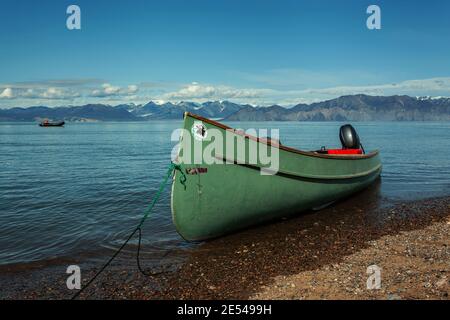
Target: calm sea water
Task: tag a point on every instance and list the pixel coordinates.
(65, 191)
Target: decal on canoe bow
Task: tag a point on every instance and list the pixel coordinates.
(199, 131)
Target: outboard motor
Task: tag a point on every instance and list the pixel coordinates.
(349, 137)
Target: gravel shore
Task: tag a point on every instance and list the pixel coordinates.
(325, 255)
(317, 255)
(413, 265)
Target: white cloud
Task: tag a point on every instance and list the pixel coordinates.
(58, 94)
(412, 87)
(108, 90)
(105, 91)
(7, 94)
(44, 94)
(266, 96)
(196, 91)
(61, 93)
(133, 89)
(49, 93)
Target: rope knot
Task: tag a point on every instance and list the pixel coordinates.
(177, 167)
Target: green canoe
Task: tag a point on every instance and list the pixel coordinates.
(212, 199)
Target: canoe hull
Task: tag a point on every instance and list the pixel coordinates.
(217, 199)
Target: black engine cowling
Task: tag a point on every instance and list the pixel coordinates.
(349, 137)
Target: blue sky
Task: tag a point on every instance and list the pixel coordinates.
(249, 51)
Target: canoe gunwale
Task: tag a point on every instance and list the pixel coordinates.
(282, 147)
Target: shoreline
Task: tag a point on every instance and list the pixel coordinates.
(240, 267)
(288, 259)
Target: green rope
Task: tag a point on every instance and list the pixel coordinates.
(183, 176)
(172, 168)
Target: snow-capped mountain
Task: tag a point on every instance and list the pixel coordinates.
(168, 110)
(346, 108)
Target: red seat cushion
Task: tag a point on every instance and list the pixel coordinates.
(344, 151)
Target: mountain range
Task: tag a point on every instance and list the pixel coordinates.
(346, 108)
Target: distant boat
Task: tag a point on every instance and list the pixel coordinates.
(47, 123)
(215, 199)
